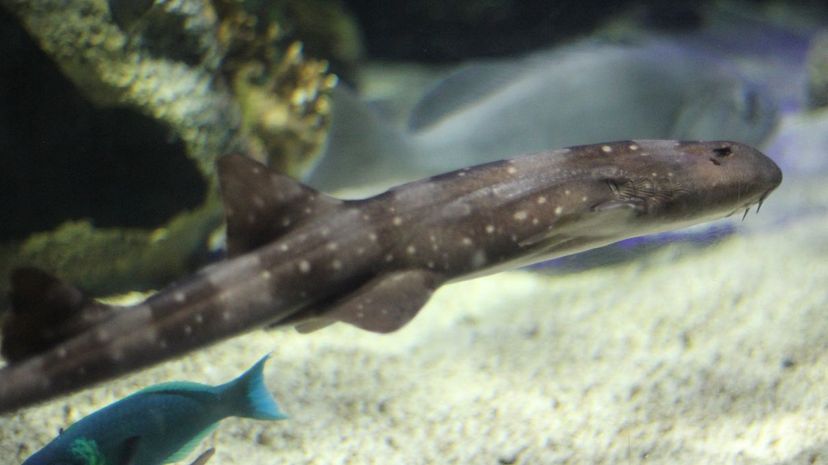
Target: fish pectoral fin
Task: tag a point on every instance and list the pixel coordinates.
(129, 451)
(204, 457)
(188, 447)
(384, 304)
(45, 311)
(260, 205)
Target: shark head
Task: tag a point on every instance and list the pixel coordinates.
(615, 191)
(667, 184)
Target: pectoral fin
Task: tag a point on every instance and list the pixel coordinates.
(384, 304)
(204, 457)
(130, 451)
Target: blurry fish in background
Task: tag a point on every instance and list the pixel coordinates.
(732, 73)
(583, 93)
(771, 49)
(160, 424)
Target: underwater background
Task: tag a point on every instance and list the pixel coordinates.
(700, 346)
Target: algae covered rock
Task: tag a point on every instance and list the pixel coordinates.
(112, 115)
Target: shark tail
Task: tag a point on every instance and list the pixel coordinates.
(247, 396)
(45, 311)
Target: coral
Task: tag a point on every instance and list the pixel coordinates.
(285, 109)
(165, 83)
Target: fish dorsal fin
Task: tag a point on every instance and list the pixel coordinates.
(45, 311)
(461, 89)
(384, 304)
(261, 205)
(190, 445)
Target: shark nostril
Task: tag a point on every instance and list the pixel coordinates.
(722, 152)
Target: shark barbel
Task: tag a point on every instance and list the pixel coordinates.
(300, 257)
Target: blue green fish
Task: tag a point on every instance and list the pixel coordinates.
(160, 424)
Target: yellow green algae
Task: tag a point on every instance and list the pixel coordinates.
(185, 65)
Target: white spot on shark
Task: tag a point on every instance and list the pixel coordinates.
(304, 266)
(634, 147)
(102, 335)
(336, 265)
(397, 221)
(541, 200)
(558, 210)
(466, 241)
(265, 275)
(179, 297)
(520, 215)
(411, 250)
(606, 148)
(511, 169)
(490, 228)
(478, 259)
(332, 246)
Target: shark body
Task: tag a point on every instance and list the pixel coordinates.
(297, 256)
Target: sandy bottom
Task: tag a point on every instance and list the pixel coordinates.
(689, 355)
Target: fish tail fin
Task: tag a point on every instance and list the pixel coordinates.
(45, 311)
(247, 396)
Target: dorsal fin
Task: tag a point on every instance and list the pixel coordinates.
(261, 205)
(463, 88)
(45, 311)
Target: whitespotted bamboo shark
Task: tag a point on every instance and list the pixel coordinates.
(297, 256)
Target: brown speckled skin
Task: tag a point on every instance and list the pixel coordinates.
(300, 257)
